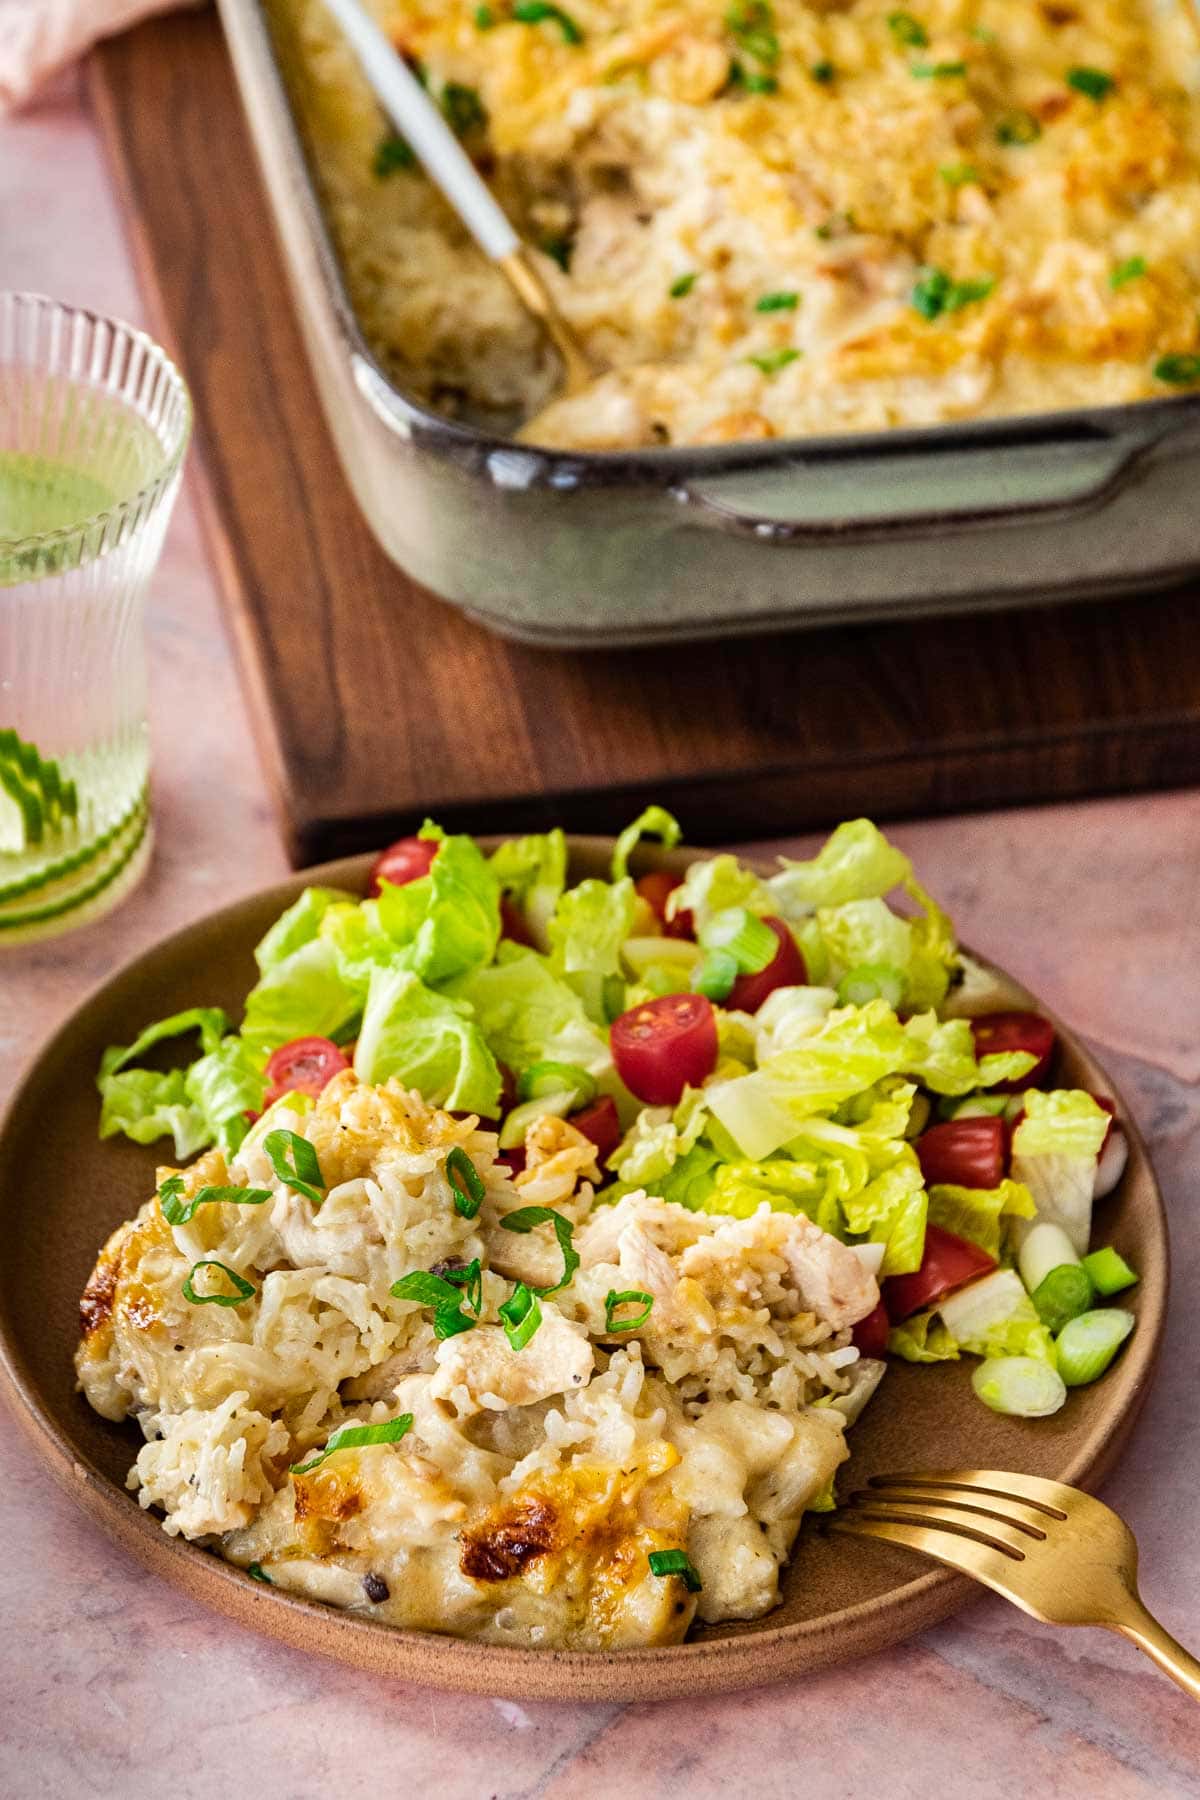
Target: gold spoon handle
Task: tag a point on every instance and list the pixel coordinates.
(1144, 1630)
(533, 293)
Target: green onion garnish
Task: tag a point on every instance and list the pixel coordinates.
(715, 975)
(1092, 82)
(1062, 1295)
(1129, 270)
(392, 152)
(536, 12)
(743, 935)
(1025, 1387)
(465, 1183)
(957, 175)
(178, 1212)
(682, 284)
(464, 110)
(1018, 128)
(245, 1289)
(781, 302)
(527, 1217)
(752, 24)
(628, 1297)
(520, 1315)
(471, 1279)
(1086, 1345)
(936, 293)
(939, 71)
(1109, 1271)
(907, 30)
(545, 1078)
(351, 1437)
(676, 1562)
(759, 84)
(558, 249)
(256, 1572)
(485, 18)
(771, 361)
(983, 34)
(1178, 370)
(871, 981)
(823, 73)
(303, 1174)
(428, 1289)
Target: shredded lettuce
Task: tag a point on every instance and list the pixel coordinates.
(1055, 1150)
(428, 1041)
(533, 870)
(528, 1014)
(656, 822)
(589, 925)
(299, 925)
(449, 920)
(305, 995)
(979, 1214)
(225, 1085)
(145, 1104)
(717, 883)
(856, 862)
(994, 1316)
(923, 1339)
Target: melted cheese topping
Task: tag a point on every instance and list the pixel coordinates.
(795, 217)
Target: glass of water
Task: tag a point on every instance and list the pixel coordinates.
(94, 422)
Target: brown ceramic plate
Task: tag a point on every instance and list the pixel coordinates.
(62, 1192)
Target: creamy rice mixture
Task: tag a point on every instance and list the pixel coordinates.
(771, 217)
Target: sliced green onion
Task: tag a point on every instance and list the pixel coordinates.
(627, 1297)
(1018, 128)
(1178, 369)
(758, 84)
(352, 1437)
(471, 1279)
(558, 249)
(528, 1217)
(520, 1315)
(179, 1212)
(303, 1174)
(676, 1562)
(771, 361)
(256, 1572)
(557, 1078)
(823, 73)
(1128, 271)
(752, 24)
(1109, 1271)
(1022, 1386)
(743, 936)
(939, 71)
(535, 12)
(1088, 1344)
(1063, 1295)
(907, 30)
(715, 976)
(465, 1183)
(682, 284)
(392, 152)
(1044, 1248)
(871, 981)
(957, 175)
(936, 293)
(785, 301)
(1092, 82)
(653, 821)
(245, 1289)
(485, 18)
(975, 1106)
(464, 110)
(518, 1121)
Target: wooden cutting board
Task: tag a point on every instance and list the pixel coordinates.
(375, 703)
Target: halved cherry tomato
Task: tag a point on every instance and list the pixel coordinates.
(1000, 1031)
(949, 1262)
(785, 969)
(513, 1160)
(665, 1046)
(656, 889)
(404, 861)
(599, 1122)
(513, 922)
(870, 1335)
(305, 1066)
(965, 1152)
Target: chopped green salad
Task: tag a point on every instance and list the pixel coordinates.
(812, 1041)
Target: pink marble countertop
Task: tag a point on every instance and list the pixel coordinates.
(112, 1684)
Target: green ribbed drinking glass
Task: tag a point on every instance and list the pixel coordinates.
(94, 423)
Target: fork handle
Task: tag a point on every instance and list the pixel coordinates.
(1144, 1630)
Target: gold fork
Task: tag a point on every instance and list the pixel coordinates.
(1056, 1553)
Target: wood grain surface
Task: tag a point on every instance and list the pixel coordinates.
(375, 703)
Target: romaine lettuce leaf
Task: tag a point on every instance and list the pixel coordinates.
(299, 925)
(528, 1014)
(146, 1105)
(891, 1211)
(533, 870)
(1055, 1149)
(589, 925)
(225, 1085)
(428, 1041)
(449, 920)
(655, 822)
(209, 1021)
(979, 1214)
(718, 882)
(923, 1339)
(994, 1316)
(788, 1017)
(855, 863)
(305, 995)
(688, 1181)
(359, 942)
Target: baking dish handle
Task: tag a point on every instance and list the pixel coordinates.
(844, 496)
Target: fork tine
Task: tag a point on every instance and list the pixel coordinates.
(936, 1505)
(996, 1537)
(953, 1548)
(1048, 1497)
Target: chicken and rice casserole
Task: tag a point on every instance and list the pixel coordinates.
(777, 217)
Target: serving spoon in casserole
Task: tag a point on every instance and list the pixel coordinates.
(447, 164)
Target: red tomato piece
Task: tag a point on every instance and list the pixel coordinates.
(949, 1262)
(599, 1122)
(513, 1160)
(665, 1046)
(870, 1335)
(965, 1152)
(785, 969)
(513, 923)
(404, 861)
(305, 1066)
(656, 889)
(1001, 1031)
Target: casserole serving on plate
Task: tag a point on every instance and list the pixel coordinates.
(862, 279)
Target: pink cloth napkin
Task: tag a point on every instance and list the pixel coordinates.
(38, 37)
